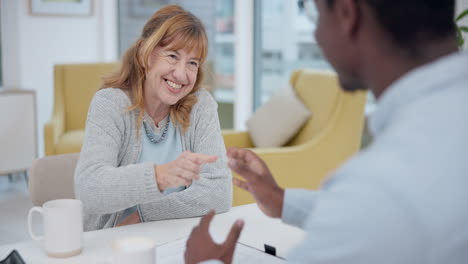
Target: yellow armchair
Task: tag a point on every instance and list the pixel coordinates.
(328, 138)
(74, 87)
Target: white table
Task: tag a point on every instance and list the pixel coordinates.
(258, 230)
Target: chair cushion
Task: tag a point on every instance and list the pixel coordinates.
(278, 120)
(70, 142)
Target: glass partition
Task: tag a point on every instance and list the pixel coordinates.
(286, 42)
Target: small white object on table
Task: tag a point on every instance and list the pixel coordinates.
(258, 230)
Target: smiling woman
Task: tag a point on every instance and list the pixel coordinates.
(125, 173)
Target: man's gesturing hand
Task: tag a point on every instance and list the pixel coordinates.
(258, 180)
(201, 247)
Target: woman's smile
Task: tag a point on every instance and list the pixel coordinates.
(173, 87)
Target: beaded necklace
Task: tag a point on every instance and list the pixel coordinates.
(151, 135)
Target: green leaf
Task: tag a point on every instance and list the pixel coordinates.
(464, 29)
(460, 39)
(462, 15)
(461, 42)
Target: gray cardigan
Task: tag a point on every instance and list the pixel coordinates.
(108, 179)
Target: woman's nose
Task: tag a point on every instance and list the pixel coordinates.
(180, 72)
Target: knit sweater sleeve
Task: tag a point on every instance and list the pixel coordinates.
(214, 188)
(103, 185)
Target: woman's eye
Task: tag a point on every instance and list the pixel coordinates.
(192, 65)
(172, 58)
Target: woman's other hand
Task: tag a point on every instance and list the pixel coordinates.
(134, 218)
(182, 171)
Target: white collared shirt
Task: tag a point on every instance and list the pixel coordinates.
(405, 198)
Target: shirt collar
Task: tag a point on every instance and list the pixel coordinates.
(414, 84)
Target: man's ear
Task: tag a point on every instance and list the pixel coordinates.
(349, 16)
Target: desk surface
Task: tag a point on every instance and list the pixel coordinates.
(258, 230)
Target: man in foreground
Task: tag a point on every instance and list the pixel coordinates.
(403, 199)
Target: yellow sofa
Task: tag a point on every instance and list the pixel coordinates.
(328, 138)
(74, 87)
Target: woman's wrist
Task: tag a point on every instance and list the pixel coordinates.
(158, 172)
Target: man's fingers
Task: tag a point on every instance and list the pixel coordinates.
(234, 234)
(242, 154)
(240, 184)
(245, 160)
(206, 220)
(241, 168)
(236, 153)
(231, 152)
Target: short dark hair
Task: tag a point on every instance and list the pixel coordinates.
(412, 22)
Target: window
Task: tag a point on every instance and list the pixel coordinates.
(224, 51)
(284, 42)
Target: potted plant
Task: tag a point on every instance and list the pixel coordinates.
(460, 28)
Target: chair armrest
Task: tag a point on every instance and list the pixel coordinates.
(53, 130)
(304, 166)
(240, 139)
(298, 166)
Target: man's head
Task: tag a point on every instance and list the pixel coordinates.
(356, 34)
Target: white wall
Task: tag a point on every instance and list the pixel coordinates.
(33, 44)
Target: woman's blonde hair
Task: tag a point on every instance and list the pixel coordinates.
(172, 27)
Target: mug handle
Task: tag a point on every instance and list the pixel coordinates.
(31, 211)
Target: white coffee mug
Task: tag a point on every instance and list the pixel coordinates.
(63, 227)
(131, 250)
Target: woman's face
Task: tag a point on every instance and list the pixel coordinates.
(171, 75)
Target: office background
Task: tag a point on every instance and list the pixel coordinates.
(254, 47)
(252, 52)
